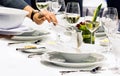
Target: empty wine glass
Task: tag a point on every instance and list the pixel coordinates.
(91, 25)
(62, 9)
(110, 23)
(56, 5)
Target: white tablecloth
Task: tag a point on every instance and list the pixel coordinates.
(15, 63)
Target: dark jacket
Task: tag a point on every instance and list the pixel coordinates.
(34, 6)
(114, 3)
(20, 4)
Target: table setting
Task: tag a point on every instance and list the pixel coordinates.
(60, 50)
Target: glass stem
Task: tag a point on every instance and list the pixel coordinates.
(109, 44)
(91, 37)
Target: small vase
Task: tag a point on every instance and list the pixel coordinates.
(87, 37)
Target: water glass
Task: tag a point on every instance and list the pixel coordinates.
(110, 23)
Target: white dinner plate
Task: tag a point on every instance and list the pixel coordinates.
(26, 36)
(16, 31)
(56, 58)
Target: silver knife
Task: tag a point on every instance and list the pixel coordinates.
(22, 49)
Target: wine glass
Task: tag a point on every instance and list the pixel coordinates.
(72, 16)
(110, 23)
(56, 5)
(42, 4)
(62, 9)
(90, 24)
(72, 13)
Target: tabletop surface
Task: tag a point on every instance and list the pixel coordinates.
(16, 63)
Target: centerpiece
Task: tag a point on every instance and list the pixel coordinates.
(85, 33)
(90, 25)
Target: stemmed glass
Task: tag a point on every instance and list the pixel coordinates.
(56, 5)
(110, 23)
(91, 25)
(72, 16)
(42, 4)
(62, 9)
(72, 13)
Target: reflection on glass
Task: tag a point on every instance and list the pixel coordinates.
(72, 13)
(42, 4)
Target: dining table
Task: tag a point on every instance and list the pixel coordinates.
(19, 63)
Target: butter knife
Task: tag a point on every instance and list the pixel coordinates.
(22, 49)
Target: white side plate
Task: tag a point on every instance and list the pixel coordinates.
(16, 31)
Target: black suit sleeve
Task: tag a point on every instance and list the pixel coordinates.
(20, 4)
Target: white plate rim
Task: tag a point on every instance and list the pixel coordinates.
(15, 31)
(76, 64)
(27, 37)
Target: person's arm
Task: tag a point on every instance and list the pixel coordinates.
(38, 17)
(20, 4)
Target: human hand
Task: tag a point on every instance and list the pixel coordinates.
(40, 17)
(50, 17)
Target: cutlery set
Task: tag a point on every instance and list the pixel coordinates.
(34, 42)
(94, 70)
(23, 49)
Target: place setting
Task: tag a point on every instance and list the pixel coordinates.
(72, 48)
(17, 27)
(75, 60)
(86, 60)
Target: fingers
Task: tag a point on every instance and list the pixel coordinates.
(46, 14)
(53, 18)
(38, 19)
(50, 17)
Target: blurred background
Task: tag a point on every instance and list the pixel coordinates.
(88, 4)
(83, 4)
